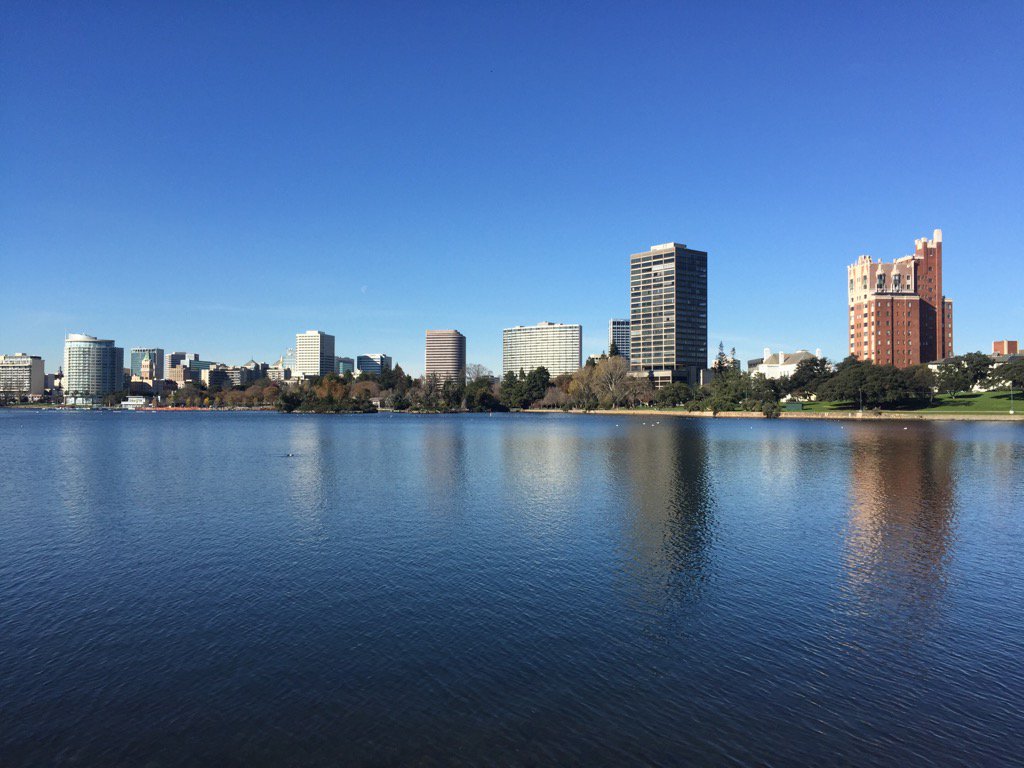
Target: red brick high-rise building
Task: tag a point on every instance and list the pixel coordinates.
(898, 313)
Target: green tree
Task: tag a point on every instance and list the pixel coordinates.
(978, 366)
(922, 382)
(954, 377)
(673, 394)
(452, 392)
(513, 389)
(763, 392)
(847, 384)
(536, 382)
(809, 375)
(613, 349)
(1010, 374)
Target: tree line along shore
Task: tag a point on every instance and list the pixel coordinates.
(967, 386)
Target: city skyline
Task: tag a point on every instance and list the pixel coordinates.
(262, 207)
(892, 276)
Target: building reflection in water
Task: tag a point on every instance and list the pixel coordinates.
(311, 476)
(900, 534)
(672, 521)
(444, 465)
(542, 467)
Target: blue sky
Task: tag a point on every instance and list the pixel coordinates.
(217, 177)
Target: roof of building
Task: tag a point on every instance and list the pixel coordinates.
(788, 358)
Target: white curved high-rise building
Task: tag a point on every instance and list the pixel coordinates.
(446, 355)
(93, 369)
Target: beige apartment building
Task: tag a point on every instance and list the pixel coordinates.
(446, 355)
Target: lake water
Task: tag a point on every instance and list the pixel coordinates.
(264, 589)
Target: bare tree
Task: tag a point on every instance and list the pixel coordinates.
(611, 380)
(475, 371)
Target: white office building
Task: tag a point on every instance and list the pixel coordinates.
(618, 334)
(555, 346)
(22, 375)
(93, 369)
(314, 354)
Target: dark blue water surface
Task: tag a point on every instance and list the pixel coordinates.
(262, 589)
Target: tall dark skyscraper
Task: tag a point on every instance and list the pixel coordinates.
(668, 313)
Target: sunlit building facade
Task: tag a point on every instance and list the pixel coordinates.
(558, 347)
(618, 334)
(93, 369)
(314, 354)
(156, 357)
(898, 314)
(22, 376)
(445, 355)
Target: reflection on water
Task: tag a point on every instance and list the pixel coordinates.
(901, 523)
(444, 466)
(539, 468)
(210, 589)
(308, 455)
(671, 507)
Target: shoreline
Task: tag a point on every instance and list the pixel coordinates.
(795, 415)
(832, 415)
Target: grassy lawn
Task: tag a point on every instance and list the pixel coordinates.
(975, 402)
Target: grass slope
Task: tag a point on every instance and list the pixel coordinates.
(975, 402)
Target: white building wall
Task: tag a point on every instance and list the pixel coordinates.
(618, 331)
(314, 354)
(554, 346)
(93, 368)
(22, 374)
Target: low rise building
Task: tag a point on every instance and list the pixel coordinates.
(277, 373)
(256, 370)
(181, 375)
(216, 378)
(778, 365)
(1006, 347)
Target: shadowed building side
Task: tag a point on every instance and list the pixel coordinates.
(668, 314)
